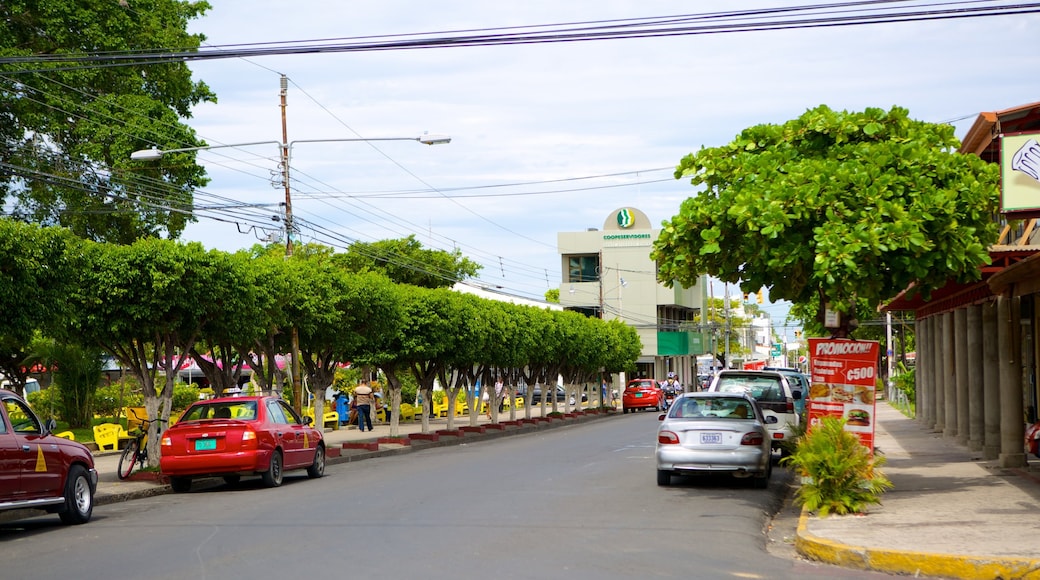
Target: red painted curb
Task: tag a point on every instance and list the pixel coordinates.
(361, 445)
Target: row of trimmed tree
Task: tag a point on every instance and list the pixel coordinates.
(156, 304)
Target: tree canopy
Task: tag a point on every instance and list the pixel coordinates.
(67, 131)
(831, 207)
(405, 261)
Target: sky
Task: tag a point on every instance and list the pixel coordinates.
(546, 138)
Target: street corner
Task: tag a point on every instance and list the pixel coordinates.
(907, 562)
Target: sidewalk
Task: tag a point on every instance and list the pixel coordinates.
(950, 514)
(112, 490)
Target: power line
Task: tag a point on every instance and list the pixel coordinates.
(785, 18)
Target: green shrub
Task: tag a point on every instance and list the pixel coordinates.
(184, 394)
(906, 382)
(109, 400)
(839, 474)
(47, 403)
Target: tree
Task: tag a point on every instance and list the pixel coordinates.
(39, 264)
(552, 295)
(67, 131)
(147, 304)
(405, 261)
(77, 371)
(833, 206)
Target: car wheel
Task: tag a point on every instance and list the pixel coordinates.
(180, 484)
(273, 476)
(317, 469)
(664, 477)
(232, 480)
(79, 498)
(762, 481)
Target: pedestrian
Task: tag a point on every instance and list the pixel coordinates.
(500, 394)
(364, 400)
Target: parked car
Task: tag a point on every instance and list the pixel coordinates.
(642, 394)
(39, 470)
(771, 391)
(233, 437)
(715, 433)
(536, 394)
(799, 384)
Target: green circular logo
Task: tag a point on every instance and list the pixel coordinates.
(625, 219)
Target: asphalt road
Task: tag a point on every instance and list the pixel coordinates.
(574, 502)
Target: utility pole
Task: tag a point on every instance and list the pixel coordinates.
(297, 382)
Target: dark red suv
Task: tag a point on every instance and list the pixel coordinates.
(39, 470)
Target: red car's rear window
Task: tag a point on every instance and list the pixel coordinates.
(640, 385)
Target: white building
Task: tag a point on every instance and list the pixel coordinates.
(608, 273)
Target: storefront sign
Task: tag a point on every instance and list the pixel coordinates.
(844, 375)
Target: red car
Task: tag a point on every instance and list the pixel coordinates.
(235, 436)
(39, 470)
(642, 394)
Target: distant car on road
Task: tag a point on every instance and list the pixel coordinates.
(536, 394)
(642, 394)
(233, 437)
(714, 433)
(39, 470)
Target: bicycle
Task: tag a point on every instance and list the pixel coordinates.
(135, 454)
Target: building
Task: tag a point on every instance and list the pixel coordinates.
(978, 352)
(607, 272)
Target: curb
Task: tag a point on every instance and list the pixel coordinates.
(908, 562)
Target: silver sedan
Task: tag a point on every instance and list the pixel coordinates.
(714, 433)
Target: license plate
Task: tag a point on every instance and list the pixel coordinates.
(639, 395)
(205, 444)
(711, 438)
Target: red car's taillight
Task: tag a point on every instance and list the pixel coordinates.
(752, 439)
(667, 438)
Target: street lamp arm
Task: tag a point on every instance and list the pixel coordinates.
(154, 154)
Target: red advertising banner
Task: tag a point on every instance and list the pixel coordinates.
(844, 384)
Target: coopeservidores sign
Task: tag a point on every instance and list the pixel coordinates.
(844, 384)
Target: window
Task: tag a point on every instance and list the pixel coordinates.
(22, 420)
(275, 414)
(584, 268)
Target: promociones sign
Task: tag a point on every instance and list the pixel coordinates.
(844, 384)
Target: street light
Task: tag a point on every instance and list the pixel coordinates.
(154, 154)
(285, 149)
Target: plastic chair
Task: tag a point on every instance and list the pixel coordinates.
(108, 434)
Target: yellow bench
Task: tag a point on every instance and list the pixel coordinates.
(408, 412)
(109, 434)
(66, 435)
(328, 417)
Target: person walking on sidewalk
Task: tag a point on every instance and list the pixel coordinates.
(365, 399)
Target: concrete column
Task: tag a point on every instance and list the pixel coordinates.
(976, 401)
(938, 378)
(922, 375)
(1012, 431)
(960, 362)
(990, 382)
(949, 375)
(929, 362)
